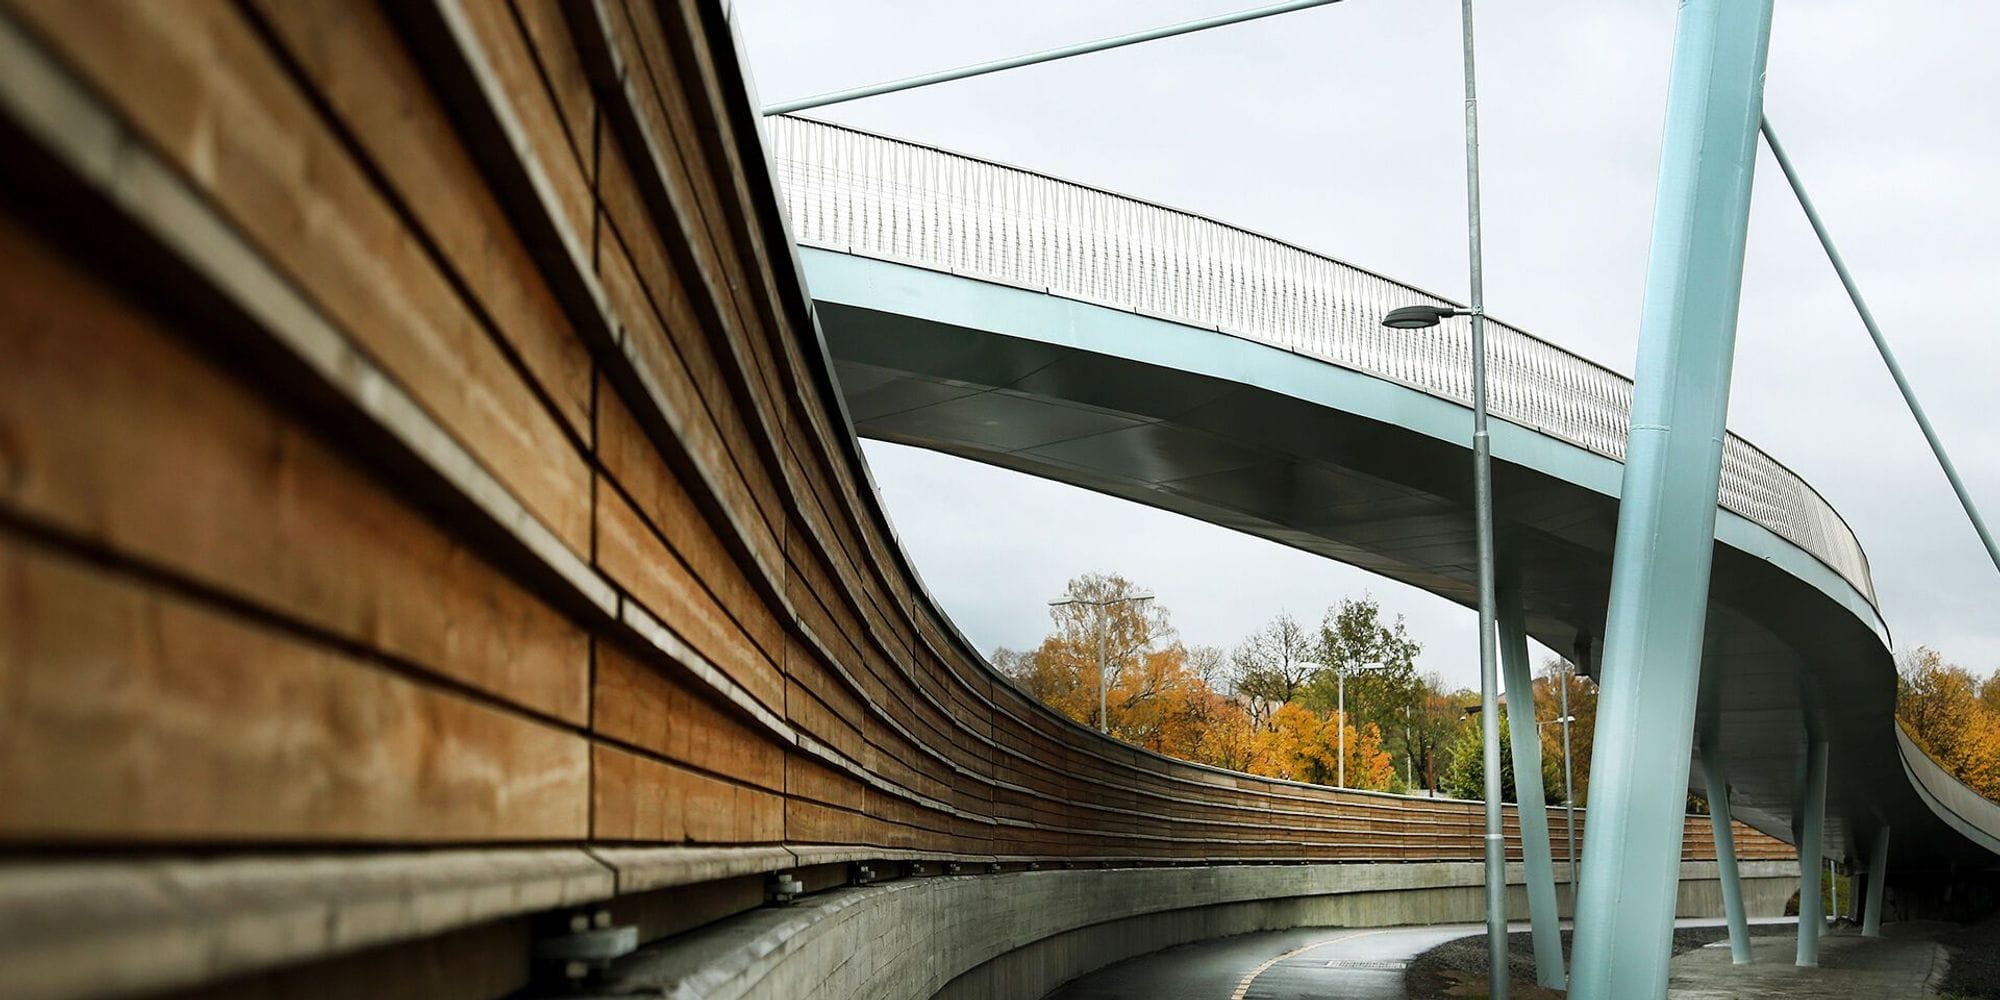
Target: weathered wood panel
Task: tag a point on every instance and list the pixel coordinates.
(136, 713)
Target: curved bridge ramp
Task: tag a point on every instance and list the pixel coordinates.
(1099, 340)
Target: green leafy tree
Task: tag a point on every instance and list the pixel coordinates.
(1465, 778)
(1354, 635)
(1435, 725)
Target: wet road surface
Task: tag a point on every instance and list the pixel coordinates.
(1320, 963)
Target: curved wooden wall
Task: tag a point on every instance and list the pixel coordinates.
(415, 451)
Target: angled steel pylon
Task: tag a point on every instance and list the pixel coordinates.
(1666, 515)
(1537, 860)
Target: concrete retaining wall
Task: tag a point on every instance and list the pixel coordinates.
(1024, 933)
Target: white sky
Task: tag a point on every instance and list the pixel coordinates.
(1339, 129)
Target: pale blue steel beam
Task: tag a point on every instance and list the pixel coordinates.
(1811, 838)
(1665, 543)
(1046, 55)
(1878, 871)
(1881, 344)
(1537, 860)
(1715, 782)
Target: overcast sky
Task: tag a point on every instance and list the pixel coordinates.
(1339, 129)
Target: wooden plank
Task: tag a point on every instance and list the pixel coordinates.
(643, 799)
(509, 58)
(628, 456)
(633, 556)
(695, 199)
(356, 64)
(554, 51)
(704, 442)
(203, 88)
(658, 310)
(120, 435)
(138, 714)
(640, 704)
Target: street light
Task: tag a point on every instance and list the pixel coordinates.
(1103, 716)
(1569, 787)
(1341, 671)
(1420, 317)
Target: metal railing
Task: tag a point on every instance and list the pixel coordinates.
(875, 196)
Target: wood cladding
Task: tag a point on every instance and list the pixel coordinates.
(232, 621)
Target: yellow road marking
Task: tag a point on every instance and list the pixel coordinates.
(1243, 988)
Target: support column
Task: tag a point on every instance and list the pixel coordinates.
(1878, 871)
(1715, 781)
(1812, 839)
(1526, 741)
(1666, 516)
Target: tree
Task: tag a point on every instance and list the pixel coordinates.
(1435, 726)
(1210, 664)
(1940, 706)
(1466, 777)
(1162, 705)
(1161, 693)
(1582, 733)
(1063, 670)
(1274, 663)
(1353, 635)
(1012, 664)
(1303, 745)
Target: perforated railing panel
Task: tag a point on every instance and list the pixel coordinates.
(885, 198)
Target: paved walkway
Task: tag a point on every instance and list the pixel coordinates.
(1317, 963)
(1368, 964)
(1904, 963)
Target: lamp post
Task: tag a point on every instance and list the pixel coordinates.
(1417, 317)
(1103, 716)
(1569, 788)
(1340, 671)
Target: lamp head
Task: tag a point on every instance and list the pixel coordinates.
(1417, 317)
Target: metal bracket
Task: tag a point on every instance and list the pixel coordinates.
(784, 887)
(591, 944)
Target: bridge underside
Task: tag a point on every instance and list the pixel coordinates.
(1374, 474)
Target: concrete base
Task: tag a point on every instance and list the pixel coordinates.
(1022, 934)
(1907, 963)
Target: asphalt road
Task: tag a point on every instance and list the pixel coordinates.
(1304, 964)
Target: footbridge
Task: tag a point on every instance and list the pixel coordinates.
(1154, 355)
(436, 558)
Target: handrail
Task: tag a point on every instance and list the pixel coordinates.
(887, 198)
(1958, 804)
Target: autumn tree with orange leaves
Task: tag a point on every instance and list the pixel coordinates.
(1303, 745)
(1159, 693)
(1170, 698)
(1953, 716)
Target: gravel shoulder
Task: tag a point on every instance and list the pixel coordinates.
(1974, 965)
